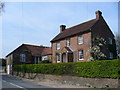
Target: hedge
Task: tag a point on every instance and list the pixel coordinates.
(99, 69)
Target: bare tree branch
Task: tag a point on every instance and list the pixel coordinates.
(2, 5)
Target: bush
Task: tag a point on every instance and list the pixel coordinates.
(104, 68)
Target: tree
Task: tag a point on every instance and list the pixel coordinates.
(117, 38)
(95, 50)
(2, 5)
(2, 61)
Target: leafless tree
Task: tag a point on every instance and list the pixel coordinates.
(2, 5)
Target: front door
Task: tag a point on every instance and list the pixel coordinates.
(64, 57)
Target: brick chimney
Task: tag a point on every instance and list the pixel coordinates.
(62, 28)
(98, 14)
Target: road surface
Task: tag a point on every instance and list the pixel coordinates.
(13, 82)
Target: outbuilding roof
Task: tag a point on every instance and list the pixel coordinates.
(34, 49)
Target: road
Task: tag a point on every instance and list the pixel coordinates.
(13, 82)
(8, 82)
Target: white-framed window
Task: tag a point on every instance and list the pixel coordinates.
(81, 54)
(109, 40)
(80, 39)
(111, 55)
(67, 42)
(58, 45)
(44, 58)
(22, 58)
(58, 58)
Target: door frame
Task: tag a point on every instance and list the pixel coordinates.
(64, 58)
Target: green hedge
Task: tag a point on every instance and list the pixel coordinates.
(45, 61)
(104, 68)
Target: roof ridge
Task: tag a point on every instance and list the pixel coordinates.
(79, 28)
(35, 45)
(80, 24)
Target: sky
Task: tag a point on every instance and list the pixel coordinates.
(37, 23)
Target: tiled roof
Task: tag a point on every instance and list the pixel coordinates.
(35, 50)
(80, 28)
(39, 50)
(47, 51)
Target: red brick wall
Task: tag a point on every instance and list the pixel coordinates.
(74, 47)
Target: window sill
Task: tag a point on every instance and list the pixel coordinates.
(57, 49)
(81, 59)
(58, 61)
(80, 43)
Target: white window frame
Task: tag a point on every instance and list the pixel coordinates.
(81, 54)
(22, 58)
(68, 42)
(58, 45)
(80, 39)
(58, 58)
(44, 58)
(111, 55)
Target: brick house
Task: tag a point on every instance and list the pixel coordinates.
(27, 54)
(72, 44)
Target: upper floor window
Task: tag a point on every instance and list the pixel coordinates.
(58, 45)
(80, 39)
(68, 42)
(109, 40)
(81, 54)
(58, 58)
(22, 58)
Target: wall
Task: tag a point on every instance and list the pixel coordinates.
(9, 59)
(9, 63)
(72, 80)
(74, 46)
(22, 50)
(102, 29)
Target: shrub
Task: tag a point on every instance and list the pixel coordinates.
(100, 69)
(45, 61)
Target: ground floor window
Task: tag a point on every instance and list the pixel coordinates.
(81, 54)
(111, 55)
(58, 58)
(36, 60)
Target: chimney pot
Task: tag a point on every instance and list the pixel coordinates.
(62, 28)
(98, 14)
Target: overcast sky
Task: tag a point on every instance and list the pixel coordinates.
(38, 23)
